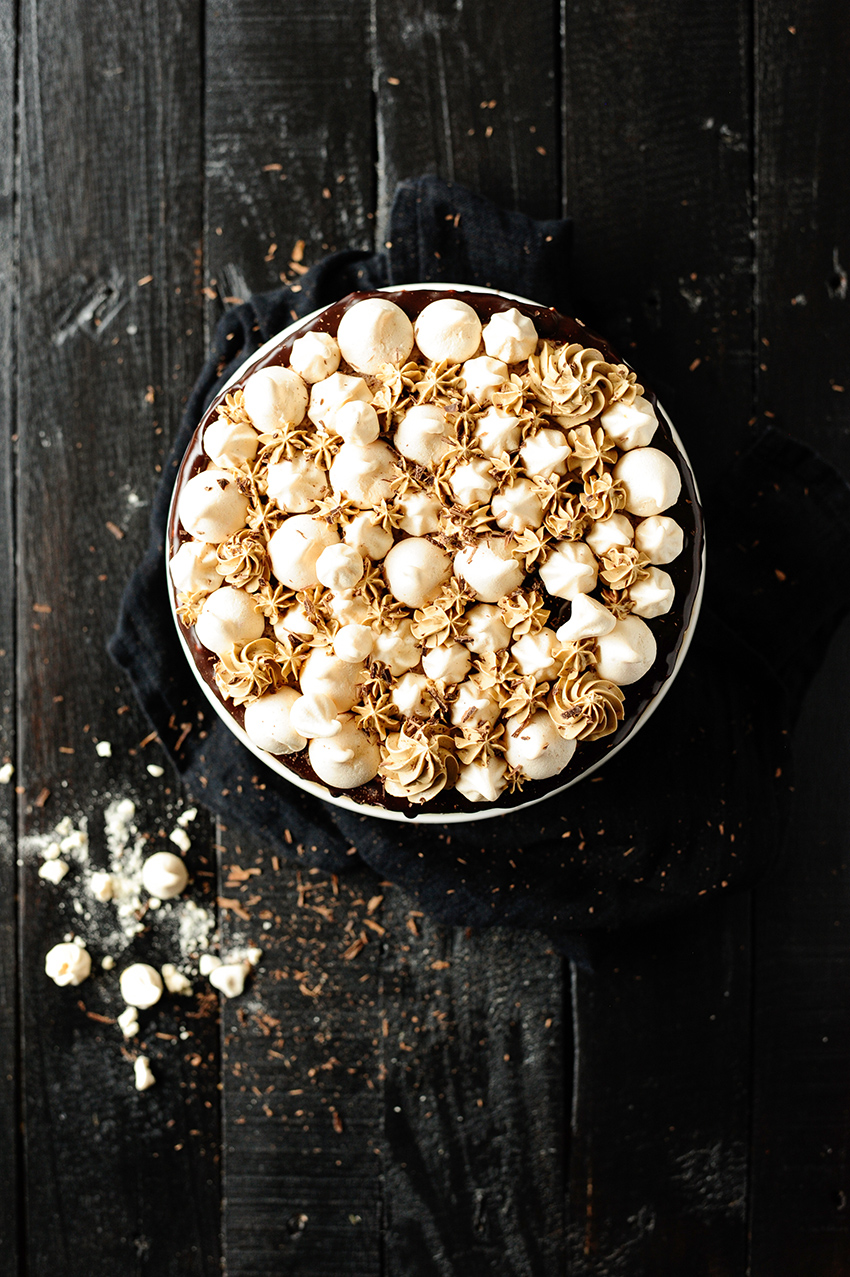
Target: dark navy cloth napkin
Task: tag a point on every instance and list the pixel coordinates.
(690, 809)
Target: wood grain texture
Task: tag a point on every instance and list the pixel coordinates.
(473, 1058)
(10, 1181)
(289, 147)
(659, 180)
(289, 138)
(110, 226)
(800, 1153)
(450, 101)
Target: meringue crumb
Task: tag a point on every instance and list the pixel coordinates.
(229, 978)
(175, 981)
(7, 771)
(128, 1022)
(186, 817)
(208, 963)
(154, 769)
(107, 962)
(180, 839)
(104, 749)
(144, 1076)
(53, 871)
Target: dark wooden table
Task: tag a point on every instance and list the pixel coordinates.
(442, 1103)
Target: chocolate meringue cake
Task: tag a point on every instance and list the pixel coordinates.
(435, 553)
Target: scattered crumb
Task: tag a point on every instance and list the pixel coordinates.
(186, 817)
(144, 1076)
(208, 963)
(104, 748)
(7, 771)
(180, 839)
(229, 978)
(154, 769)
(107, 962)
(176, 981)
(128, 1022)
(53, 871)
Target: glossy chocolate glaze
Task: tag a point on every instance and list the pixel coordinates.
(668, 630)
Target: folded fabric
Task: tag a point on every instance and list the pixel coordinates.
(689, 809)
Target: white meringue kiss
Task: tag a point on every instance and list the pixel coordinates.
(653, 596)
(397, 649)
(447, 662)
(295, 547)
(569, 569)
(409, 694)
(211, 507)
(357, 422)
(535, 654)
(314, 356)
(347, 760)
(510, 336)
(421, 512)
(229, 618)
(485, 629)
(490, 569)
(518, 507)
(349, 608)
(482, 782)
(416, 570)
(423, 435)
(324, 674)
(660, 538)
(363, 475)
(497, 431)
(193, 568)
(339, 567)
(315, 717)
(298, 484)
(353, 643)
(294, 621)
(627, 653)
(367, 537)
(448, 329)
(472, 483)
(268, 725)
(474, 705)
(274, 398)
(375, 332)
(536, 749)
(328, 396)
(230, 443)
(483, 375)
(588, 619)
(651, 479)
(545, 453)
(607, 533)
(630, 425)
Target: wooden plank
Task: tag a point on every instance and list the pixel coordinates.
(802, 1045)
(658, 179)
(289, 162)
(474, 1048)
(110, 229)
(10, 1186)
(474, 1063)
(450, 100)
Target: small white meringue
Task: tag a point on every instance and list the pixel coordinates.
(328, 396)
(448, 329)
(423, 435)
(141, 985)
(535, 654)
(297, 485)
(268, 725)
(497, 431)
(490, 569)
(653, 595)
(660, 538)
(588, 619)
(447, 663)
(315, 717)
(324, 674)
(367, 537)
(164, 875)
(474, 705)
(421, 511)
(357, 422)
(536, 748)
(294, 621)
(230, 443)
(630, 425)
(275, 397)
(211, 506)
(483, 375)
(397, 649)
(651, 479)
(608, 533)
(627, 652)
(348, 759)
(510, 336)
(416, 569)
(193, 568)
(375, 332)
(569, 569)
(518, 507)
(315, 356)
(295, 547)
(409, 694)
(485, 630)
(363, 475)
(545, 453)
(473, 483)
(229, 618)
(482, 782)
(339, 567)
(353, 643)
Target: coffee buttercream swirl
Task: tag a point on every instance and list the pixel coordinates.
(622, 565)
(189, 606)
(591, 450)
(602, 496)
(585, 707)
(523, 613)
(243, 561)
(245, 673)
(572, 381)
(418, 762)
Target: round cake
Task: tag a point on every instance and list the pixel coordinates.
(435, 553)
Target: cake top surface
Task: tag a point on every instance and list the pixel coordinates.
(420, 550)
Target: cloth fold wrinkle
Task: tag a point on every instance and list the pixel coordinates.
(689, 810)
